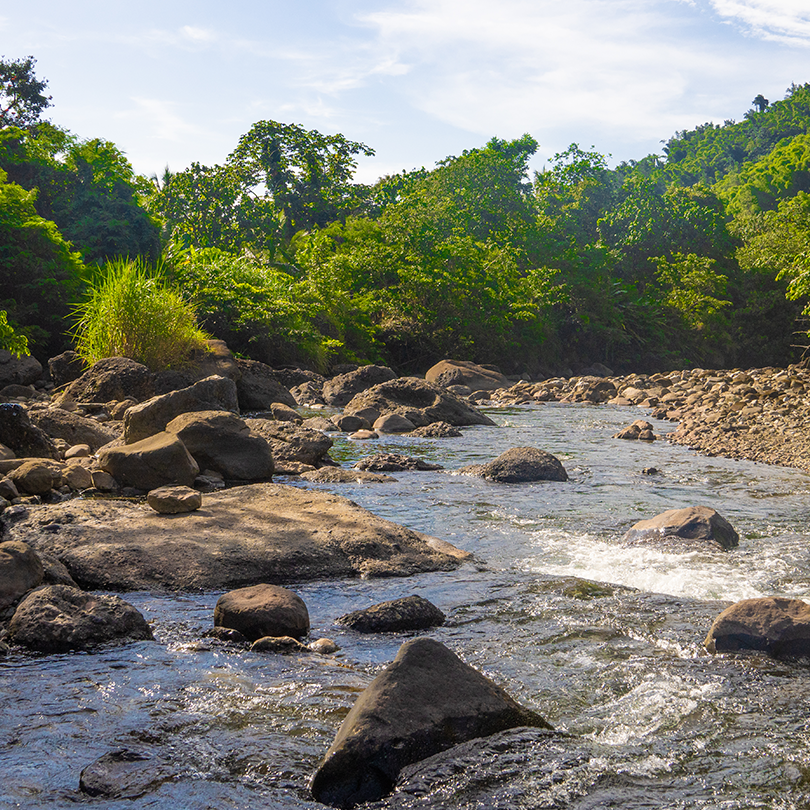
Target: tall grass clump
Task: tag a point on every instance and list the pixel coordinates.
(131, 311)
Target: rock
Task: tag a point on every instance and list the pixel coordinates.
(226, 634)
(638, 430)
(245, 535)
(20, 571)
(284, 645)
(214, 360)
(520, 465)
(280, 412)
(8, 489)
(58, 618)
(695, 526)
(290, 442)
(337, 475)
(150, 463)
(152, 416)
(24, 438)
(773, 625)
(114, 378)
(398, 615)
(393, 423)
(321, 423)
(341, 389)
(262, 610)
(221, 441)
(349, 423)
(394, 462)
(124, 774)
(591, 389)
(174, 500)
(77, 477)
(18, 370)
(78, 451)
(436, 430)
(323, 646)
(417, 400)
(65, 368)
(448, 373)
(71, 427)
(407, 714)
(103, 481)
(363, 435)
(26, 392)
(37, 476)
(54, 572)
(6, 453)
(308, 393)
(258, 388)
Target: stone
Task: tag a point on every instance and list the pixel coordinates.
(337, 475)
(262, 610)
(226, 634)
(18, 370)
(78, 451)
(394, 462)
(320, 423)
(308, 393)
(65, 368)
(349, 423)
(21, 570)
(447, 373)
(407, 714)
(54, 572)
(150, 463)
(591, 389)
(10, 392)
(8, 489)
(152, 416)
(364, 435)
(58, 618)
(436, 430)
(773, 625)
(341, 389)
(124, 774)
(245, 535)
(222, 442)
(284, 645)
(6, 453)
(74, 429)
(103, 481)
(393, 423)
(114, 378)
(634, 431)
(174, 500)
(281, 413)
(296, 443)
(323, 646)
(258, 387)
(20, 435)
(694, 526)
(37, 476)
(520, 465)
(420, 401)
(398, 615)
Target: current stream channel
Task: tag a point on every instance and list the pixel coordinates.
(606, 642)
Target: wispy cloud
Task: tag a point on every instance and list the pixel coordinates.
(785, 21)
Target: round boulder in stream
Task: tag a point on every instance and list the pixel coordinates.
(520, 465)
(263, 610)
(408, 714)
(692, 527)
(409, 613)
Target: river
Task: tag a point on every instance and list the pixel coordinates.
(650, 720)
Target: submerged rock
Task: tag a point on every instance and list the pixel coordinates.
(693, 526)
(124, 774)
(398, 615)
(337, 475)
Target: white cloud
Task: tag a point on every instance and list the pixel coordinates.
(161, 120)
(785, 21)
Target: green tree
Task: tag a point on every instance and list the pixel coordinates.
(21, 94)
(10, 340)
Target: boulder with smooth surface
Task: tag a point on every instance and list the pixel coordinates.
(340, 389)
(37, 476)
(520, 465)
(150, 463)
(174, 500)
(258, 388)
(113, 378)
(694, 526)
(262, 610)
(18, 370)
(74, 429)
(20, 570)
(463, 372)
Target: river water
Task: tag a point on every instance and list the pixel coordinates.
(604, 641)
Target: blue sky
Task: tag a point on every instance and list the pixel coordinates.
(417, 80)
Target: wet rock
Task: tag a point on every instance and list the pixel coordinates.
(155, 462)
(398, 615)
(323, 646)
(394, 462)
(773, 625)
(20, 571)
(21, 436)
(447, 373)
(152, 416)
(58, 618)
(393, 423)
(419, 401)
(695, 526)
(638, 430)
(18, 370)
(221, 441)
(337, 475)
(520, 465)
(65, 368)
(174, 500)
(341, 389)
(290, 442)
(262, 610)
(114, 378)
(124, 774)
(283, 645)
(349, 423)
(226, 634)
(363, 435)
(408, 714)
(74, 429)
(258, 387)
(437, 430)
(37, 476)
(591, 389)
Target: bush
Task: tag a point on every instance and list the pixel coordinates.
(10, 340)
(131, 311)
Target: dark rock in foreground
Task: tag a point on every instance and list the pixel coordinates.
(398, 615)
(124, 774)
(520, 465)
(24, 438)
(407, 714)
(694, 526)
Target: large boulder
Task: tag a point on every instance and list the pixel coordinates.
(520, 465)
(420, 401)
(174, 500)
(773, 625)
(74, 429)
(245, 535)
(58, 618)
(66, 367)
(395, 616)
(290, 442)
(340, 389)
(262, 610)
(20, 571)
(462, 372)
(221, 441)
(407, 714)
(37, 476)
(150, 463)
(151, 417)
(20, 435)
(114, 378)
(695, 527)
(258, 387)
(18, 370)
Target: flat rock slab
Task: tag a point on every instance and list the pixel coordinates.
(241, 536)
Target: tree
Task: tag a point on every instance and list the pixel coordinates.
(760, 102)
(21, 98)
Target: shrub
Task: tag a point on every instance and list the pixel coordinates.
(10, 340)
(131, 311)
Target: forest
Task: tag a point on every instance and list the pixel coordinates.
(696, 257)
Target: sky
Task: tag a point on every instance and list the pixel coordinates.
(173, 82)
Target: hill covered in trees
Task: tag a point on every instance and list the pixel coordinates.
(696, 257)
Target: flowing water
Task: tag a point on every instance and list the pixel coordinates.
(604, 641)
